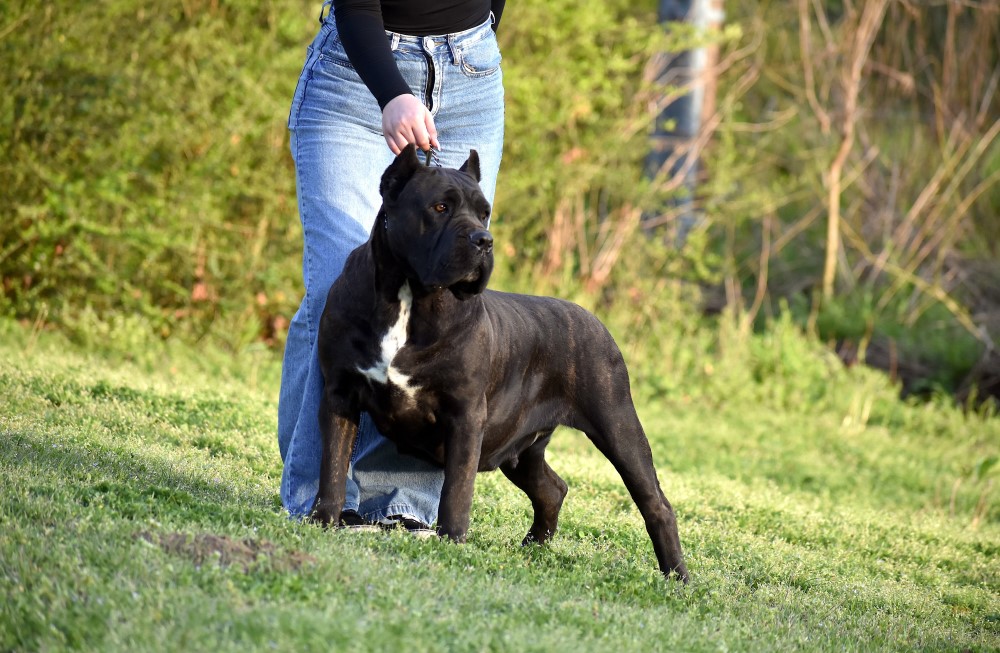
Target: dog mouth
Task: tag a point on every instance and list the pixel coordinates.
(463, 271)
(472, 284)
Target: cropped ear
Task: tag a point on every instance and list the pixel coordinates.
(471, 165)
(398, 173)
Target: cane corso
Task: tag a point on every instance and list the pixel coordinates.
(466, 377)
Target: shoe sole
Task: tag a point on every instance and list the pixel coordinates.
(416, 529)
(419, 533)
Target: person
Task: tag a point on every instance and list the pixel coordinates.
(377, 76)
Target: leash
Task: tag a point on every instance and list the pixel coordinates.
(432, 156)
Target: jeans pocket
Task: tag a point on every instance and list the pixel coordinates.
(333, 53)
(481, 58)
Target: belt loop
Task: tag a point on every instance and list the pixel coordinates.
(456, 54)
(493, 18)
(394, 43)
(322, 9)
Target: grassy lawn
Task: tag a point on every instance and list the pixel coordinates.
(139, 511)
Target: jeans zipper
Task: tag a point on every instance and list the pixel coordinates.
(429, 91)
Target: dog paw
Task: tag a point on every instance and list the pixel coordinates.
(455, 536)
(324, 516)
(533, 538)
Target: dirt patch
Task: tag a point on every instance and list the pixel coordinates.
(226, 551)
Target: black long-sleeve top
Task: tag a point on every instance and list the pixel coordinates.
(362, 24)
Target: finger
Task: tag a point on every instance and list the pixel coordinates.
(395, 140)
(404, 135)
(421, 138)
(432, 133)
(388, 133)
(391, 142)
(399, 142)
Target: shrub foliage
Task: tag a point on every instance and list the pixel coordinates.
(147, 182)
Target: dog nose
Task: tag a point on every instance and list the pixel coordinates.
(482, 239)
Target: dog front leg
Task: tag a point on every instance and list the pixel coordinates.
(463, 447)
(339, 433)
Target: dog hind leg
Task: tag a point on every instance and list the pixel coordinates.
(543, 486)
(618, 434)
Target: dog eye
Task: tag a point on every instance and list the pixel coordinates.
(440, 207)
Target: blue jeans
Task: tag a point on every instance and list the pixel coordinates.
(340, 154)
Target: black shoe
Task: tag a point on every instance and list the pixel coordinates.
(352, 521)
(414, 527)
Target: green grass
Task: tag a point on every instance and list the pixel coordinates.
(139, 511)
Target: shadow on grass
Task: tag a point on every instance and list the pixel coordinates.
(56, 480)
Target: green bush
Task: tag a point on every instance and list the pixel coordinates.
(147, 157)
(146, 164)
(148, 184)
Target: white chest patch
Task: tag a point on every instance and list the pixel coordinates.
(394, 340)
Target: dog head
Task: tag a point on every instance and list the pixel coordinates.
(435, 223)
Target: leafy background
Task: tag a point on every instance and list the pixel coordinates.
(149, 193)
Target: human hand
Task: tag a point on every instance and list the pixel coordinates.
(406, 120)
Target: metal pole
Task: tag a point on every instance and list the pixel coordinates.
(673, 144)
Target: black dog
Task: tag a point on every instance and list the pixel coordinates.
(466, 377)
